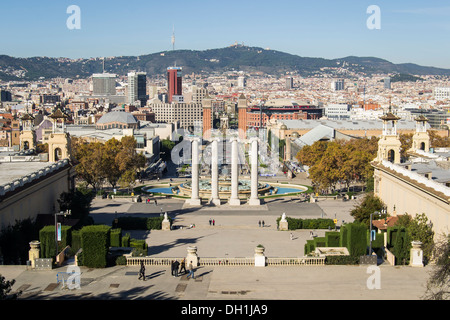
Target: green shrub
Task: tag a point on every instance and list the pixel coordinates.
(126, 240)
(354, 238)
(320, 223)
(309, 246)
(139, 252)
(76, 240)
(121, 261)
(319, 242)
(139, 244)
(116, 237)
(341, 260)
(332, 238)
(95, 241)
(402, 247)
(47, 238)
(139, 223)
(343, 236)
(155, 223)
(357, 239)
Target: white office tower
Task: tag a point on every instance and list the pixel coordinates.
(442, 93)
(242, 82)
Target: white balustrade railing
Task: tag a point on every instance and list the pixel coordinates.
(232, 262)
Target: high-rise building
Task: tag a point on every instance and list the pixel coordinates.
(289, 83)
(104, 84)
(5, 95)
(174, 82)
(137, 87)
(442, 93)
(242, 82)
(338, 85)
(387, 83)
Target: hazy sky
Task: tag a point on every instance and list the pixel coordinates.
(411, 31)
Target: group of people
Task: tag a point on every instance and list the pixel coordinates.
(212, 222)
(182, 266)
(261, 223)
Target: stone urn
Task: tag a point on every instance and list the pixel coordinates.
(259, 250)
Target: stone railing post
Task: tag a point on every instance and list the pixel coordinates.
(260, 258)
(34, 252)
(192, 256)
(416, 254)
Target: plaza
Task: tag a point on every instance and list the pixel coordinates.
(235, 234)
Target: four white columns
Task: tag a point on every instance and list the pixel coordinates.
(234, 198)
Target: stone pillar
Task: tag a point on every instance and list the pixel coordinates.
(234, 199)
(195, 199)
(260, 258)
(215, 173)
(254, 200)
(283, 223)
(166, 223)
(34, 252)
(416, 254)
(192, 256)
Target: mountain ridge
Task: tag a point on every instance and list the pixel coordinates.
(238, 57)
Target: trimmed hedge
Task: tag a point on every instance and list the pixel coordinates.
(332, 238)
(341, 260)
(116, 237)
(356, 238)
(319, 223)
(319, 242)
(95, 241)
(126, 240)
(401, 245)
(76, 240)
(139, 223)
(309, 246)
(47, 238)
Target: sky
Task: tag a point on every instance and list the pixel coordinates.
(410, 31)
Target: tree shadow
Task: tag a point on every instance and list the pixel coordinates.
(137, 293)
(154, 250)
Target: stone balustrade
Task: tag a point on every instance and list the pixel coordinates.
(231, 262)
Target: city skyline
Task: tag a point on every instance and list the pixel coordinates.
(412, 32)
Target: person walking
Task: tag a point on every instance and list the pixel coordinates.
(259, 223)
(176, 264)
(142, 271)
(214, 222)
(210, 221)
(183, 266)
(191, 271)
(263, 223)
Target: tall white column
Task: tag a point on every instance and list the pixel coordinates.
(195, 199)
(254, 200)
(234, 199)
(215, 173)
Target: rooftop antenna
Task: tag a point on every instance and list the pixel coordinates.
(173, 38)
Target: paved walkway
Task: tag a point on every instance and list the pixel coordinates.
(217, 283)
(235, 234)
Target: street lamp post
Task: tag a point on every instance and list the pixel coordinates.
(61, 213)
(370, 232)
